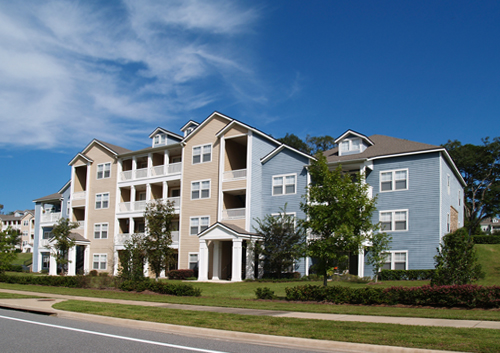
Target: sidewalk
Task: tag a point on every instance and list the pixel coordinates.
(44, 304)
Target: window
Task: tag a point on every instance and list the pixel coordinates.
(394, 220)
(284, 184)
(198, 224)
(101, 201)
(193, 261)
(25, 223)
(448, 225)
(103, 170)
(350, 145)
(100, 261)
(396, 260)
(101, 231)
(159, 139)
(25, 234)
(45, 260)
(202, 154)
(200, 189)
(459, 198)
(47, 234)
(448, 183)
(394, 180)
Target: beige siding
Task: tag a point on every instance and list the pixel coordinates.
(234, 185)
(236, 130)
(199, 172)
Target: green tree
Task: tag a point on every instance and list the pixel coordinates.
(283, 242)
(61, 242)
(133, 258)
(8, 240)
(456, 261)
(338, 214)
(320, 143)
(377, 252)
(480, 168)
(158, 239)
(295, 142)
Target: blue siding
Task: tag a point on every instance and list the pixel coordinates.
(36, 241)
(422, 202)
(451, 199)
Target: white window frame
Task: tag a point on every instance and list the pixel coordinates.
(204, 157)
(102, 262)
(99, 228)
(25, 223)
(104, 170)
(197, 260)
(349, 143)
(393, 220)
(159, 139)
(393, 262)
(103, 198)
(284, 184)
(393, 179)
(448, 183)
(293, 214)
(199, 225)
(47, 234)
(200, 189)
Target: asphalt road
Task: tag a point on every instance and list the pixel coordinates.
(26, 332)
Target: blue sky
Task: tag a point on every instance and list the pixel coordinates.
(72, 71)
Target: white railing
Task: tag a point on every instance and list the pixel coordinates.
(126, 175)
(44, 243)
(175, 237)
(175, 200)
(80, 195)
(132, 206)
(121, 238)
(174, 168)
(233, 213)
(51, 216)
(81, 224)
(141, 173)
(235, 174)
(158, 170)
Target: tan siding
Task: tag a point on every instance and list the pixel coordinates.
(79, 161)
(234, 185)
(236, 131)
(198, 172)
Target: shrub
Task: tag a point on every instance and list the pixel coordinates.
(264, 293)
(93, 273)
(180, 274)
(470, 296)
(103, 274)
(406, 275)
(486, 239)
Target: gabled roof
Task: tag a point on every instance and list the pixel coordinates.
(166, 132)
(281, 148)
(231, 228)
(115, 150)
(190, 122)
(52, 197)
(357, 134)
(80, 155)
(204, 122)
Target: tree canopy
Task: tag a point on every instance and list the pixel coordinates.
(480, 168)
(8, 240)
(311, 145)
(61, 242)
(283, 242)
(338, 213)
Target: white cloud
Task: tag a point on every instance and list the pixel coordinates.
(72, 71)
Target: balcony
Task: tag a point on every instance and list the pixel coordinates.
(81, 195)
(122, 238)
(50, 217)
(137, 206)
(160, 170)
(235, 174)
(233, 213)
(81, 224)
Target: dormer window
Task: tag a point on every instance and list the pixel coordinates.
(350, 145)
(159, 139)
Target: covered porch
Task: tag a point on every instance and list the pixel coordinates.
(226, 253)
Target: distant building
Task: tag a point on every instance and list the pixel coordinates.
(24, 222)
(491, 225)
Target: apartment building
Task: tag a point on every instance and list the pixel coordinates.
(24, 222)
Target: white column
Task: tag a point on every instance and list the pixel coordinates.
(216, 259)
(53, 264)
(165, 190)
(250, 270)
(72, 261)
(86, 262)
(236, 271)
(146, 268)
(203, 261)
(361, 263)
(134, 166)
(166, 162)
(132, 198)
(150, 163)
(131, 225)
(115, 262)
(148, 191)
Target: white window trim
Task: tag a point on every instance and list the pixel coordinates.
(199, 223)
(201, 182)
(284, 185)
(102, 194)
(189, 259)
(392, 252)
(293, 214)
(103, 171)
(49, 232)
(201, 153)
(448, 183)
(100, 262)
(393, 171)
(393, 220)
(100, 230)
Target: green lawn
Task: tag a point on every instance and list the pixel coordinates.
(21, 258)
(471, 340)
(489, 258)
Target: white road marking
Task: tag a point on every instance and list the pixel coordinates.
(113, 336)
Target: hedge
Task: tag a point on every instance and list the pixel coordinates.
(406, 275)
(486, 239)
(180, 274)
(179, 289)
(470, 296)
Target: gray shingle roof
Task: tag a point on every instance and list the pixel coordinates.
(56, 196)
(117, 149)
(382, 146)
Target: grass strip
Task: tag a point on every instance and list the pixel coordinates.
(16, 296)
(222, 301)
(441, 338)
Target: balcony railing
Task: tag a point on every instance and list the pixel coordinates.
(81, 224)
(159, 170)
(121, 238)
(233, 213)
(175, 237)
(235, 174)
(126, 175)
(80, 195)
(136, 206)
(141, 173)
(50, 217)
